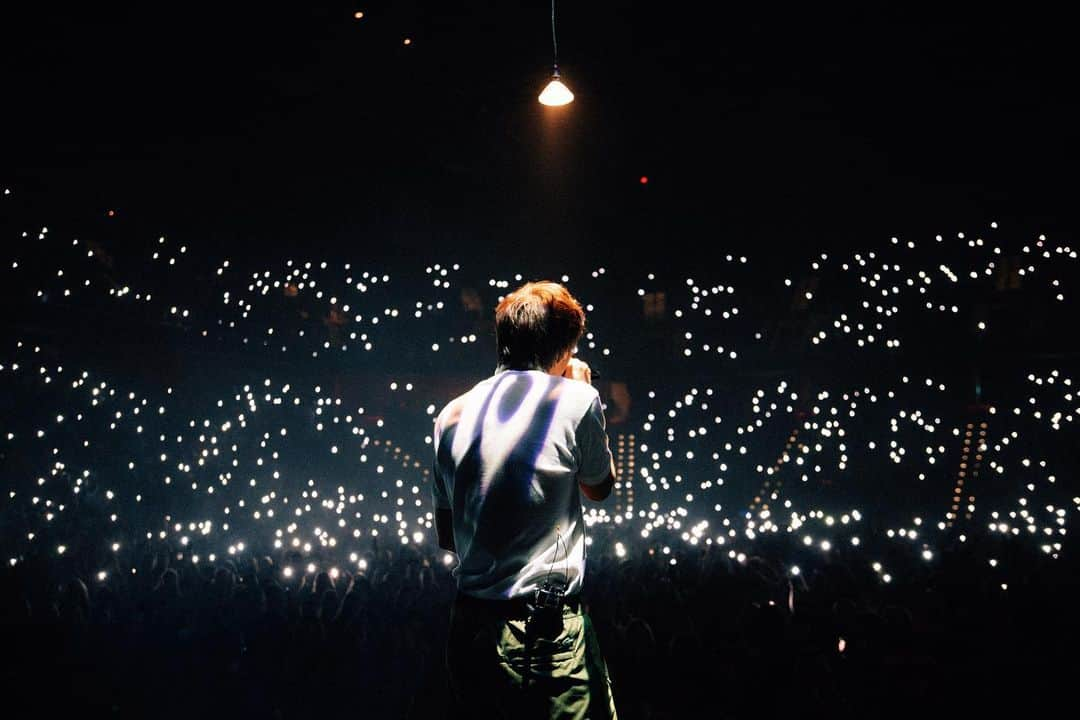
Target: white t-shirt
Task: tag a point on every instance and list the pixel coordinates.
(509, 455)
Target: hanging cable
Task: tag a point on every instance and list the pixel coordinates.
(554, 40)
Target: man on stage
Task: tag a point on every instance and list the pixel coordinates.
(510, 456)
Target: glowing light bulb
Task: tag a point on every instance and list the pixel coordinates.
(556, 94)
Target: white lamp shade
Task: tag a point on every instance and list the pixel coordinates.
(556, 94)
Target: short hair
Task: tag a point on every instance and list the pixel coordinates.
(536, 324)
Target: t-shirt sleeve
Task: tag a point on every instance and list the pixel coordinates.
(592, 442)
(438, 488)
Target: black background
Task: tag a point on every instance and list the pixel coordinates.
(268, 127)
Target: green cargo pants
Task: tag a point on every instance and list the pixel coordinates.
(503, 665)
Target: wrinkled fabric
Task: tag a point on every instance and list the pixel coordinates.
(526, 669)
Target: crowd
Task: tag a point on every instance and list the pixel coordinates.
(107, 610)
(692, 632)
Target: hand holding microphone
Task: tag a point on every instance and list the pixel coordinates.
(578, 370)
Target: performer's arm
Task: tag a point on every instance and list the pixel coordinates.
(599, 492)
(592, 433)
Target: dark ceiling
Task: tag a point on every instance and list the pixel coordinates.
(272, 126)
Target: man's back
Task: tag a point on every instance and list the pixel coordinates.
(509, 456)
